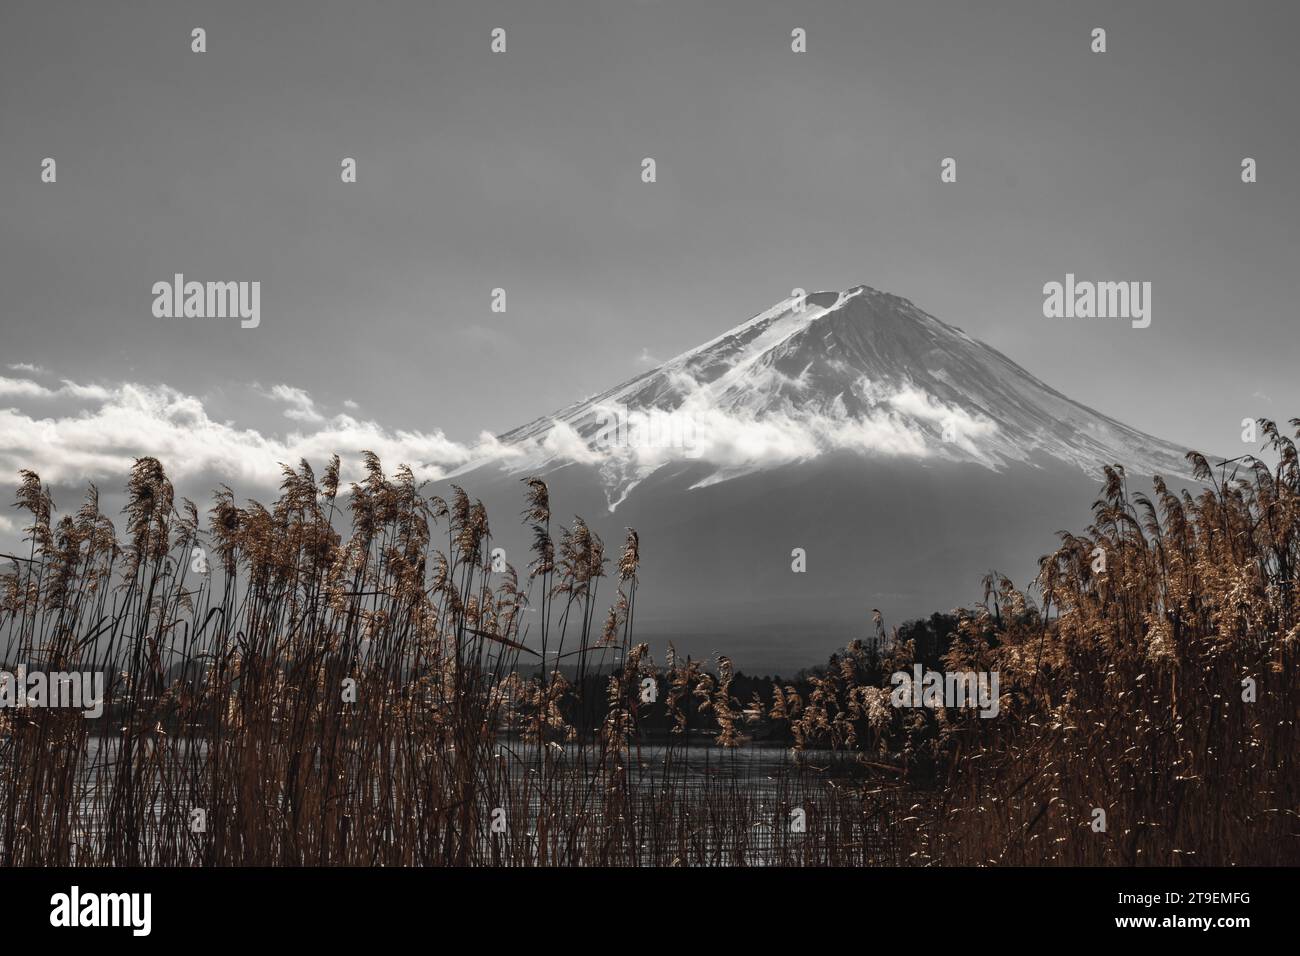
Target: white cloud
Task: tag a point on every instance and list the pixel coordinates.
(714, 424)
(734, 426)
(115, 425)
(24, 388)
(95, 392)
(301, 406)
(27, 367)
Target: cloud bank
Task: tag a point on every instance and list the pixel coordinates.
(95, 432)
(108, 427)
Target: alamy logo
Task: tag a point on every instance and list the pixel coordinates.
(208, 300)
(80, 690)
(955, 689)
(103, 909)
(1100, 300)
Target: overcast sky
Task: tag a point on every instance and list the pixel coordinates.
(522, 170)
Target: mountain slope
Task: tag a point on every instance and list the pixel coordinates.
(903, 459)
(860, 371)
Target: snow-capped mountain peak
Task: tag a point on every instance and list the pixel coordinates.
(859, 370)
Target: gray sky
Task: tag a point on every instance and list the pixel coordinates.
(522, 170)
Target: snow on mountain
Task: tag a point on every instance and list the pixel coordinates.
(860, 371)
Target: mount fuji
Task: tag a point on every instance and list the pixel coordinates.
(905, 458)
